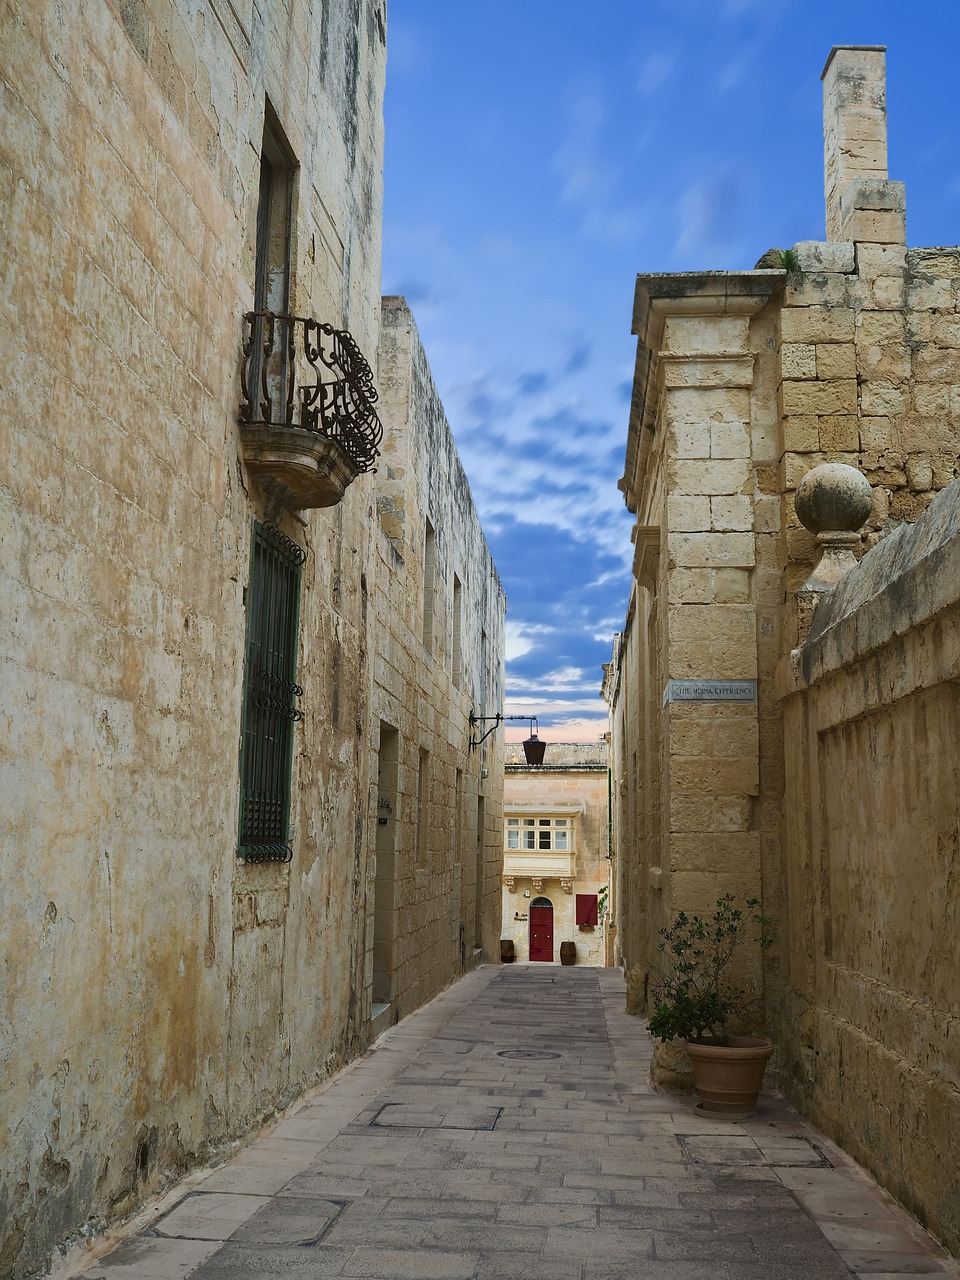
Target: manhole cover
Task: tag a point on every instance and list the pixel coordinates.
(773, 1151)
(401, 1115)
(527, 1054)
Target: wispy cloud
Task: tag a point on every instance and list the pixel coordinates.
(578, 160)
(593, 170)
(655, 71)
(522, 637)
(533, 705)
(710, 214)
(567, 680)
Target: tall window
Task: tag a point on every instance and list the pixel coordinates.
(423, 791)
(429, 583)
(457, 627)
(538, 833)
(271, 289)
(270, 696)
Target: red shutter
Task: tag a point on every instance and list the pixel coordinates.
(586, 908)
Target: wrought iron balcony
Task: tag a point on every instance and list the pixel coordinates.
(309, 425)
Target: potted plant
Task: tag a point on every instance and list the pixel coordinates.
(700, 996)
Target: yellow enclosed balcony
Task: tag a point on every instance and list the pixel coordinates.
(540, 845)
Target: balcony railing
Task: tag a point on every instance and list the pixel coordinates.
(307, 407)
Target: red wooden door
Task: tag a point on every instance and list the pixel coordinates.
(541, 932)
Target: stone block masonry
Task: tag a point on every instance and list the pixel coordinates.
(164, 996)
(439, 654)
(833, 796)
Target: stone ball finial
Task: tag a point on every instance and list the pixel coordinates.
(833, 498)
(833, 501)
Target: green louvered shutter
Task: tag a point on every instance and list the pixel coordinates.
(270, 696)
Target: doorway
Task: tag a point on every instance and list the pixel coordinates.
(384, 905)
(541, 930)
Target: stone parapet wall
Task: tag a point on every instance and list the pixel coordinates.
(872, 852)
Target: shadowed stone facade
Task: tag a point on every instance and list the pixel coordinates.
(167, 166)
(439, 637)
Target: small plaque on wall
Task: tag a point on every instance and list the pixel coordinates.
(710, 691)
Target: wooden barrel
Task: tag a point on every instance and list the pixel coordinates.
(568, 953)
(507, 955)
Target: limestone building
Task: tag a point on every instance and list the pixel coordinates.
(556, 853)
(731, 777)
(439, 637)
(206, 626)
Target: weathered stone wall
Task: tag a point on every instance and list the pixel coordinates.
(872, 843)
(439, 653)
(846, 350)
(700, 781)
(572, 777)
(159, 997)
(869, 331)
(869, 358)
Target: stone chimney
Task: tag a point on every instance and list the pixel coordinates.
(863, 205)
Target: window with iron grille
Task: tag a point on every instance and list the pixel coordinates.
(270, 696)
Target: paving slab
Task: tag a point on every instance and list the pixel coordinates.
(508, 1131)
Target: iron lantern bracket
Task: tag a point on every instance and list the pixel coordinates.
(476, 720)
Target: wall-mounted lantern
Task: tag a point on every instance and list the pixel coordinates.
(533, 748)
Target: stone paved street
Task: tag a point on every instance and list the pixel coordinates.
(508, 1130)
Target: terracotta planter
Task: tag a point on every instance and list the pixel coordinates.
(728, 1076)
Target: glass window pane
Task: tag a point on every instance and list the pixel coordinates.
(561, 822)
(513, 839)
(561, 840)
(529, 838)
(544, 839)
(529, 822)
(513, 822)
(544, 822)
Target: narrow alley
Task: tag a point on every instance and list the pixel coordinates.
(507, 1129)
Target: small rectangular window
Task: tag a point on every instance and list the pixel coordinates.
(270, 697)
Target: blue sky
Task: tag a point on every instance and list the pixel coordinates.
(540, 153)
